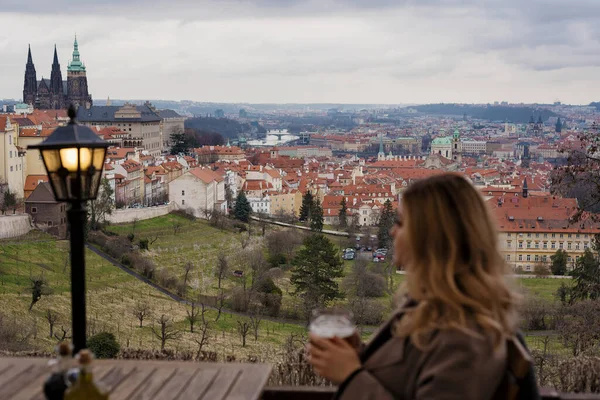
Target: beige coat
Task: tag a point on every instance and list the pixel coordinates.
(457, 366)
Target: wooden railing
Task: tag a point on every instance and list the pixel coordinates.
(326, 393)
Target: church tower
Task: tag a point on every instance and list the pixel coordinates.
(57, 100)
(30, 86)
(77, 92)
(381, 154)
(456, 147)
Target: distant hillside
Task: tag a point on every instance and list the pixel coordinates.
(228, 128)
(492, 113)
(596, 105)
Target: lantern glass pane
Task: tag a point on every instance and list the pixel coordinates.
(99, 155)
(70, 158)
(51, 159)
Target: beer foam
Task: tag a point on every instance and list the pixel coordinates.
(328, 326)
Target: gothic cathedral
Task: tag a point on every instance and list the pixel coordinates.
(54, 93)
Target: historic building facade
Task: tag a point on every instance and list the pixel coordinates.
(54, 93)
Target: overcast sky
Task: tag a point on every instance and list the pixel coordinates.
(300, 51)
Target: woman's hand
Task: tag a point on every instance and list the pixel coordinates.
(333, 359)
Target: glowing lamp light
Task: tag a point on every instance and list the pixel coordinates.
(74, 157)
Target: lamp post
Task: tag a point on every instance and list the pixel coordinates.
(74, 157)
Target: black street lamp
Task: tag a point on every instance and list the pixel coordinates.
(74, 157)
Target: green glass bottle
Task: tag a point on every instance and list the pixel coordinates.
(84, 387)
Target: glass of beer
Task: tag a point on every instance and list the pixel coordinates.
(330, 322)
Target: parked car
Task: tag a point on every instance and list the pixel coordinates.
(369, 248)
(238, 274)
(349, 255)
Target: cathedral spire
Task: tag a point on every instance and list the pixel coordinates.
(29, 58)
(55, 62)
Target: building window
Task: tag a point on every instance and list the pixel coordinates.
(183, 192)
(508, 257)
(577, 236)
(544, 258)
(49, 223)
(537, 258)
(560, 245)
(508, 234)
(520, 245)
(569, 235)
(553, 245)
(10, 153)
(528, 257)
(520, 257)
(537, 235)
(569, 245)
(508, 244)
(33, 210)
(528, 245)
(561, 235)
(11, 168)
(529, 234)
(537, 245)
(545, 245)
(554, 235)
(9, 139)
(545, 235)
(182, 202)
(576, 246)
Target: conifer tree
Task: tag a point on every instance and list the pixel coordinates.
(343, 215)
(316, 267)
(316, 217)
(242, 208)
(307, 203)
(386, 220)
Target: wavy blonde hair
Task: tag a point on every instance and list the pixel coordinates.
(455, 272)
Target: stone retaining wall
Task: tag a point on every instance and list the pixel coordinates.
(14, 225)
(129, 214)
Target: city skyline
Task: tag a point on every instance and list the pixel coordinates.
(376, 52)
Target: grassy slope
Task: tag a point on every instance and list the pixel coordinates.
(111, 296)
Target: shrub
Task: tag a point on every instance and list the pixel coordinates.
(116, 247)
(240, 226)
(166, 279)
(144, 244)
(275, 260)
(98, 238)
(104, 345)
(130, 237)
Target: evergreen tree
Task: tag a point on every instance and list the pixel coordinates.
(179, 142)
(586, 277)
(316, 217)
(307, 203)
(343, 217)
(386, 220)
(559, 262)
(242, 208)
(316, 267)
(9, 201)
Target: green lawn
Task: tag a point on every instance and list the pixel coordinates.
(544, 288)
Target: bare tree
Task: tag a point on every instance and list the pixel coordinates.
(63, 336)
(193, 314)
(282, 242)
(243, 329)
(244, 240)
(134, 224)
(52, 318)
(203, 337)
(176, 227)
(187, 268)
(165, 330)
(141, 310)
(220, 303)
(255, 320)
(153, 239)
(38, 287)
(222, 267)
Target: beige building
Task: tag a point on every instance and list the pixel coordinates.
(170, 122)
(199, 189)
(13, 169)
(138, 121)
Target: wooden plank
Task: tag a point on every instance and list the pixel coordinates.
(298, 393)
(16, 368)
(222, 384)
(176, 384)
(116, 375)
(250, 383)
(199, 385)
(134, 381)
(11, 388)
(153, 385)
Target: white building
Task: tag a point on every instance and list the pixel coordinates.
(199, 189)
(260, 205)
(473, 147)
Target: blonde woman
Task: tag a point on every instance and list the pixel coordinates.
(448, 340)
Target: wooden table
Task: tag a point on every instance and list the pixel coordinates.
(23, 378)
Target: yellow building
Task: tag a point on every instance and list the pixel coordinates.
(286, 202)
